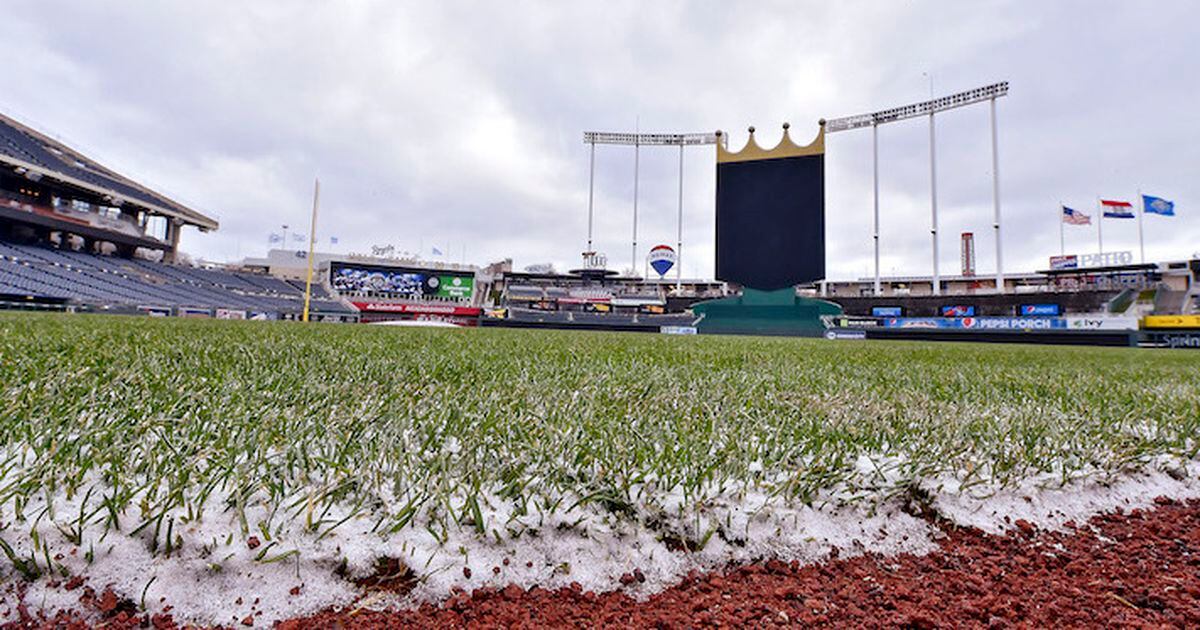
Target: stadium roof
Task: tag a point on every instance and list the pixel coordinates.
(24, 148)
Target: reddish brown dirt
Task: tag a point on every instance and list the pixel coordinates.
(1137, 569)
(1140, 569)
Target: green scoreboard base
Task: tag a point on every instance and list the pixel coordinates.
(756, 312)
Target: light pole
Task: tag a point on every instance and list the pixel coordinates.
(937, 278)
(996, 201)
(679, 229)
(636, 153)
(637, 139)
(875, 186)
(591, 189)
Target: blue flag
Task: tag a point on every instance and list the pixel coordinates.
(1158, 205)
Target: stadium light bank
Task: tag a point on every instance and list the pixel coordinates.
(592, 138)
(928, 108)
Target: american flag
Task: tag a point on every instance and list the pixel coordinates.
(1072, 216)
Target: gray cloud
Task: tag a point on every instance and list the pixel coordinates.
(459, 124)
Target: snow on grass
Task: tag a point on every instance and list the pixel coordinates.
(1049, 504)
(147, 453)
(213, 576)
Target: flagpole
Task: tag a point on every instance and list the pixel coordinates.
(1062, 239)
(1100, 224)
(1141, 239)
(312, 234)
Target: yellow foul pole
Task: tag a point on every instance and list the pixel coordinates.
(312, 237)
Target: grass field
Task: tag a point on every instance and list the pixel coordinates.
(147, 426)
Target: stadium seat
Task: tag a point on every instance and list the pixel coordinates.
(39, 271)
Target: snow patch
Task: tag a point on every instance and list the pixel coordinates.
(1043, 502)
(214, 573)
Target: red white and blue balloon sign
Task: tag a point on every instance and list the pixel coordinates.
(662, 258)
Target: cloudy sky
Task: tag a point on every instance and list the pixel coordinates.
(458, 125)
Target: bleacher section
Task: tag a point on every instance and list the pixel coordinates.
(632, 322)
(27, 146)
(32, 272)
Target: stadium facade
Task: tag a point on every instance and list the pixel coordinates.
(78, 236)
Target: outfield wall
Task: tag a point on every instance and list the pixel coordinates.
(1063, 337)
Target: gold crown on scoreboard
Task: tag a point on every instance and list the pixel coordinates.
(785, 149)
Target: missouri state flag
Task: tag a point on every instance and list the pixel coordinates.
(1116, 209)
(1158, 205)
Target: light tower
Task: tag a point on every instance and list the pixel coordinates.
(928, 108)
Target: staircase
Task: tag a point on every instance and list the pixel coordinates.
(1168, 302)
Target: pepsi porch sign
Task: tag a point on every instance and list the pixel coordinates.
(976, 323)
(662, 258)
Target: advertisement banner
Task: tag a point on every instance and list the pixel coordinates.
(1064, 262)
(399, 282)
(887, 311)
(187, 311)
(842, 333)
(1078, 261)
(1172, 321)
(1174, 340)
(661, 258)
(228, 313)
(677, 330)
(849, 321)
(636, 301)
(920, 322)
(1042, 310)
(417, 309)
(976, 323)
(458, 287)
(1102, 323)
(958, 310)
(1013, 323)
